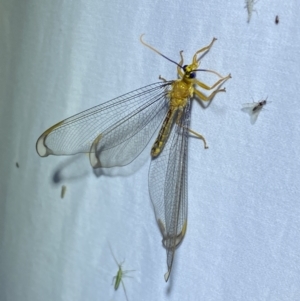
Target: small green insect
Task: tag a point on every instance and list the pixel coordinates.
(249, 5)
(120, 275)
(63, 191)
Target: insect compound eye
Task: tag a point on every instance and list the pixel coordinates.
(192, 74)
(184, 68)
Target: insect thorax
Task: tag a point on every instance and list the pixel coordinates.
(180, 93)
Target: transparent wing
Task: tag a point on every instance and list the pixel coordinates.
(168, 187)
(248, 108)
(114, 133)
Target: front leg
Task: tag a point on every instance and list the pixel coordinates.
(163, 79)
(206, 87)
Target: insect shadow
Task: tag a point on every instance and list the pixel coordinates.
(69, 170)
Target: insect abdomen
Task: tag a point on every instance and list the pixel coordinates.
(163, 134)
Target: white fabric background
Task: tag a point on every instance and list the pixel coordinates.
(243, 240)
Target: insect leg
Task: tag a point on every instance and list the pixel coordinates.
(191, 131)
(163, 79)
(199, 136)
(112, 253)
(206, 48)
(206, 87)
(179, 69)
(209, 97)
(203, 49)
(124, 289)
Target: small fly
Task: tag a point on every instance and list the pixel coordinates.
(120, 275)
(116, 132)
(253, 109)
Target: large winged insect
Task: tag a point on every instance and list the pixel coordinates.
(116, 132)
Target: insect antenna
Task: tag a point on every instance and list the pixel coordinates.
(155, 50)
(207, 70)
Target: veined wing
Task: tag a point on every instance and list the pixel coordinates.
(168, 187)
(114, 133)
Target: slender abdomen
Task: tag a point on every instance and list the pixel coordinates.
(163, 133)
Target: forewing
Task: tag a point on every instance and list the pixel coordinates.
(248, 108)
(168, 187)
(116, 131)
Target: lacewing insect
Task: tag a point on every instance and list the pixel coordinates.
(254, 108)
(63, 191)
(120, 275)
(116, 132)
